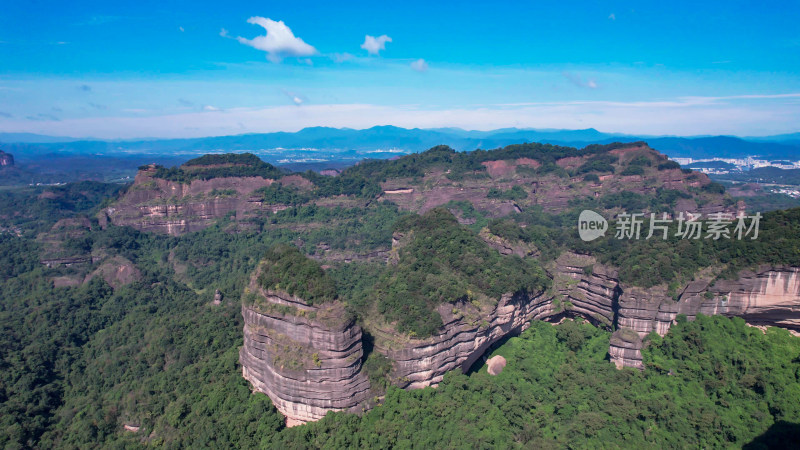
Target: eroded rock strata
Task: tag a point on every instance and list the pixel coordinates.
(307, 359)
(155, 204)
(465, 337)
(769, 296)
(304, 391)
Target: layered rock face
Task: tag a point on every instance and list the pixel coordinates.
(769, 296)
(281, 332)
(465, 337)
(625, 349)
(154, 204)
(585, 288)
(307, 359)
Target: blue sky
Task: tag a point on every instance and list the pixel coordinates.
(175, 69)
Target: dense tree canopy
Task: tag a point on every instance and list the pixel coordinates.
(79, 362)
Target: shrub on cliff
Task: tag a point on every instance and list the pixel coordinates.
(288, 270)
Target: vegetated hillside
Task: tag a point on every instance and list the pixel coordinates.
(497, 183)
(92, 361)
(31, 210)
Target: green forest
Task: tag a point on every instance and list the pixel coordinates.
(81, 362)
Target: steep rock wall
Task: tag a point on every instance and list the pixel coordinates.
(465, 337)
(154, 204)
(307, 359)
(769, 296)
(581, 287)
(585, 288)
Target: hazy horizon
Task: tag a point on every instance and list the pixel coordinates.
(46, 138)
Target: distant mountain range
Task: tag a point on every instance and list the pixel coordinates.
(322, 143)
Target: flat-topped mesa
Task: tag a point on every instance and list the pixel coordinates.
(306, 358)
(467, 334)
(192, 196)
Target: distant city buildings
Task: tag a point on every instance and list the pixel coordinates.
(740, 164)
(794, 193)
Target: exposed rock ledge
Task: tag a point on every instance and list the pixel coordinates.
(307, 359)
(305, 392)
(463, 340)
(769, 296)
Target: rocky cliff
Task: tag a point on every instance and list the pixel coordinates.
(276, 339)
(307, 359)
(155, 204)
(769, 296)
(553, 190)
(467, 333)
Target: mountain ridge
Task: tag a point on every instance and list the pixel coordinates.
(409, 140)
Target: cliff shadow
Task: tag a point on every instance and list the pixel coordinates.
(782, 434)
(481, 361)
(367, 344)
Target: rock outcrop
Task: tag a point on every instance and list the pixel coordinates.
(6, 159)
(625, 349)
(769, 296)
(585, 288)
(467, 333)
(496, 364)
(281, 332)
(306, 358)
(506, 246)
(155, 204)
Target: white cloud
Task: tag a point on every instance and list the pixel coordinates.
(342, 57)
(210, 108)
(223, 32)
(373, 45)
(181, 28)
(612, 16)
(578, 81)
(419, 65)
(279, 41)
(296, 99)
